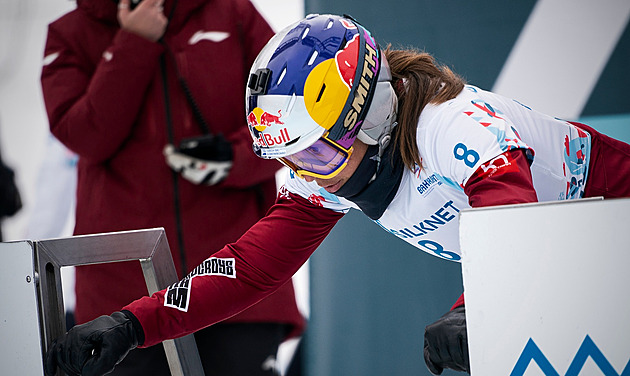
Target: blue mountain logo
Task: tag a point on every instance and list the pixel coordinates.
(531, 352)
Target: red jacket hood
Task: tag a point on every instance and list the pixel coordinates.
(106, 10)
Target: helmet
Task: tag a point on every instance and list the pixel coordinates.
(314, 88)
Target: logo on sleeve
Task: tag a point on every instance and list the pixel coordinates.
(500, 165)
(178, 294)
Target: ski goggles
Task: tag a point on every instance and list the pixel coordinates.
(324, 159)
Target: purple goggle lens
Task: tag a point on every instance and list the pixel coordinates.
(323, 159)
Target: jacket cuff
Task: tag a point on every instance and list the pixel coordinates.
(460, 302)
(137, 327)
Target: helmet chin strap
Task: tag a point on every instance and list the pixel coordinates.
(381, 119)
(382, 142)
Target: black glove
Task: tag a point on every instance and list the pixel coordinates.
(94, 348)
(446, 343)
(201, 160)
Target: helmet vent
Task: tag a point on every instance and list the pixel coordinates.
(305, 33)
(282, 74)
(321, 92)
(329, 24)
(313, 57)
(290, 104)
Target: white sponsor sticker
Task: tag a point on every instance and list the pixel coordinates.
(178, 294)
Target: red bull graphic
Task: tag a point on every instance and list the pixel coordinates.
(260, 119)
(368, 77)
(337, 90)
(329, 83)
(346, 61)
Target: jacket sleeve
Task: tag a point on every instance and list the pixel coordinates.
(459, 302)
(261, 261)
(506, 179)
(92, 106)
(248, 169)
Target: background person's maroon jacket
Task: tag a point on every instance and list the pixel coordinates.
(104, 97)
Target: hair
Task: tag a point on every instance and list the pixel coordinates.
(425, 81)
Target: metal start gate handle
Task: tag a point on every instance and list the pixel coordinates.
(149, 246)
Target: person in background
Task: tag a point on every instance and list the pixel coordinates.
(392, 133)
(10, 199)
(149, 95)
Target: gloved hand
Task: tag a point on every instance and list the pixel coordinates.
(446, 343)
(94, 348)
(201, 160)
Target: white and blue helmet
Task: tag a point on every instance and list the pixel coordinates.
(314, 88)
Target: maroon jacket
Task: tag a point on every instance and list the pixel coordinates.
(105, 101)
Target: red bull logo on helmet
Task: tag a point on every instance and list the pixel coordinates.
(346, 61)
(267, 140)
(260, 119)
(328, 85)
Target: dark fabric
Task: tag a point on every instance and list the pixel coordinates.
(446, 343)
(137, 327)
(10, 199)
(104, 98)
(378, 194)
(93, 348)
(228, 350)
(297, 364)
(362, 175)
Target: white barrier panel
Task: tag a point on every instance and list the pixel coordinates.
(20, 347)
(546, 288)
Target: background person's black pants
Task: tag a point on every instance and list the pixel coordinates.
(226, 350)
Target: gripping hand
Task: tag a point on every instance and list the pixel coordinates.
(203, 160)
(94, 348)
(446, 343)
